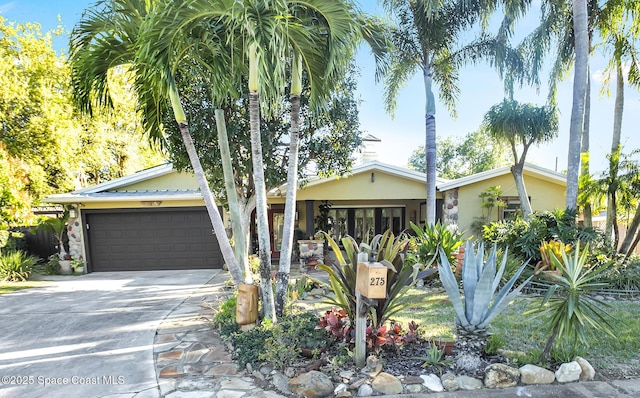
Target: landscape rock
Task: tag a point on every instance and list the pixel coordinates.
(340, 388)
(568, 372)
(280, 382)
(413, 388)
(449, 381)
(356, 384)
(387, 384)
(469, 383)
(532, 374)
(413, 380)
(498, 375)
(432, 382)
(588, 372)
(365, 390)
(312, 384)
(469, 363)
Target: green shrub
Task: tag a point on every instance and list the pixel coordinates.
(523, 236)
(16, 266)
(622, 276)
(226, 312)
(249, 346)
(290, 336)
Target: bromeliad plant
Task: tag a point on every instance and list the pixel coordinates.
(478, 305)
(390, 252)
(569, 308)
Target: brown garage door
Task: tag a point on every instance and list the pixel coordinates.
(145, 239)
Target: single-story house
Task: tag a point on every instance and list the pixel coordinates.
(156, 219)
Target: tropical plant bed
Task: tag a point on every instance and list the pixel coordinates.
(517, 343)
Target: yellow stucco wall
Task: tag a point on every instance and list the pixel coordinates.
(360, 187)
(545, 194)
(173, 180)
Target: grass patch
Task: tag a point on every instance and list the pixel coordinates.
(8, 287)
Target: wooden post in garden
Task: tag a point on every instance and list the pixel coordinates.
(371, 283)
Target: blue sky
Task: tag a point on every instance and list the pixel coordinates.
(480, 89)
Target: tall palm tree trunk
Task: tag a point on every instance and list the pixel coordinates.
(239, 235)
(430, 147)
(584, 171)
(577, 109)
(614, 161)
(284, 269)
(209, 200)
(262, 222)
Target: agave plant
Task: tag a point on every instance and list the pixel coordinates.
(478, 304)
(389, 251)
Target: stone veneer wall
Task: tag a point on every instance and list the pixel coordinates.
(450, 211)
(311, 253)
(74, 233)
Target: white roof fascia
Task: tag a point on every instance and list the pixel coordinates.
(485, 175)
(84, 198)
(139, 176)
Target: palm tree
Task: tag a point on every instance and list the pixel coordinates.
(425, 40)
(107, 37)
(580, 76)
(266, 32)
(334, 30)
(521, 125)
(557, 21)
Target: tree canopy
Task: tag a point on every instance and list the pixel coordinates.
(47, 146)
(462, 156)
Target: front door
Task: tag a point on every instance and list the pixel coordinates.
(276, 224)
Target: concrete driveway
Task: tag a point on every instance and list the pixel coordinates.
(89, 336)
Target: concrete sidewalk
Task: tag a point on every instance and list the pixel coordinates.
(90, 335)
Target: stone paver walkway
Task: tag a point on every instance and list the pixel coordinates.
(190, 357)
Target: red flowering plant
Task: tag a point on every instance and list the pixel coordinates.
(399, 337)
(336, 322)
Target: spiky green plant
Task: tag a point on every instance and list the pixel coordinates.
(570, 311)
(478, 304)
(16, 266)
(432, 237)
(390, 252)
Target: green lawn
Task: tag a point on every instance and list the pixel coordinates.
(8, 287)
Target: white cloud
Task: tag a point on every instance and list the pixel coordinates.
(601, 75)
(7, 7)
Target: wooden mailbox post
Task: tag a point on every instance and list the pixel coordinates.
(371, 283)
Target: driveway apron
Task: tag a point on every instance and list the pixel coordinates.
(90, 335)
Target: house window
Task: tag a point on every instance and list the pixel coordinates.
(339, 224)
(364, 224)
(511, 207)
(392, 219)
